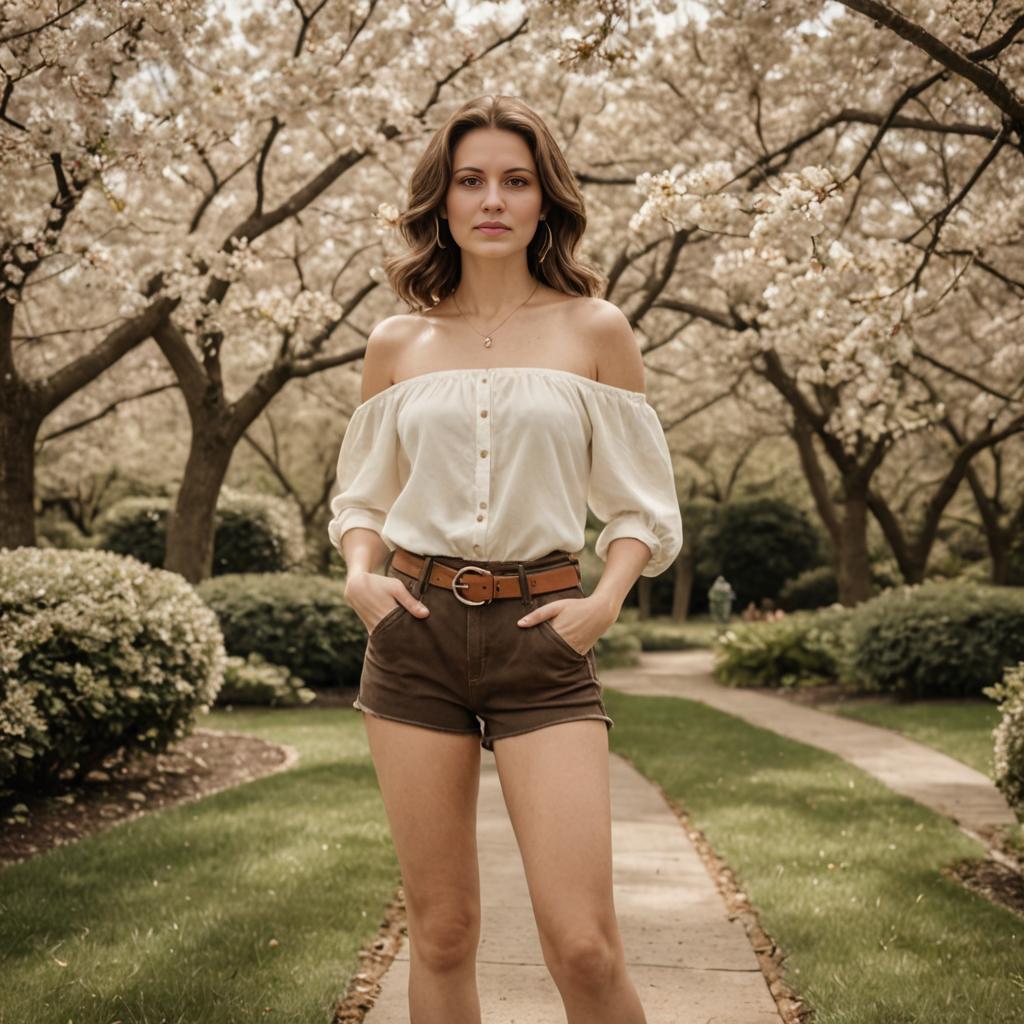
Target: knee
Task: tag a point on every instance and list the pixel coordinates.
(587, 961)
(444, 940)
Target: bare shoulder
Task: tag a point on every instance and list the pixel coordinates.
(616, 351)
(383, 345)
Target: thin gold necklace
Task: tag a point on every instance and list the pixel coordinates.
(488, 337)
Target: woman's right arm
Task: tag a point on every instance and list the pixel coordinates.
(362, 548)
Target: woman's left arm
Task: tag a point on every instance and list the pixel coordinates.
(619, 363)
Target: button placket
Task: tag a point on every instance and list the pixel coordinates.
(483, 461)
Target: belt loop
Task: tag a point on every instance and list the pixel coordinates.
(389, 560)
(524, 589)
(421, 582)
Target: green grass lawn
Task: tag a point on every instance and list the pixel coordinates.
(959, 728)
(172, 917)
(844, 873)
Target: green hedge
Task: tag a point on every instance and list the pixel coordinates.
(935, 639)
(813, 588)
(298, 620)
(252, 532)
(98, 653)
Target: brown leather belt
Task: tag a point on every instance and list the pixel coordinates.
(486, 585)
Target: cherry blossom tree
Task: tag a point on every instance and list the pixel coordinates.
(820, 280)
(806, 218)
(67, 128)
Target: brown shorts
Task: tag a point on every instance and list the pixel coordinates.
(471, 669)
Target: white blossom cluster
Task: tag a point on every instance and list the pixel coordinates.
(1008, 754)
(192, 268)
(688, 199)
(836, 315)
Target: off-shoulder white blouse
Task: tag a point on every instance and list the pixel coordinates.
(501, 463)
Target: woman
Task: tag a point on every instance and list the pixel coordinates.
(492, 414)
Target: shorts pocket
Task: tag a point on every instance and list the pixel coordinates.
(388, 618)
(546, 627)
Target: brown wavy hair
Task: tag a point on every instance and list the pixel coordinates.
(427, 273)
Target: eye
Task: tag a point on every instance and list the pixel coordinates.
(473, 177)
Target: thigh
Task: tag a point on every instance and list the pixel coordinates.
(429, 780)
(556, 787)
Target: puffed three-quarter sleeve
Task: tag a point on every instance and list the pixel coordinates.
(632, 484)
(368, 475)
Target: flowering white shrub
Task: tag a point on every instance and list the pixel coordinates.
(98, 653)
(1009, 736)
(254, 680)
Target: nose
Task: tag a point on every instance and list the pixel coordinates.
(492, 198)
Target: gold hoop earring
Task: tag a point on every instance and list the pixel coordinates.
(547, 248)
(437, 233)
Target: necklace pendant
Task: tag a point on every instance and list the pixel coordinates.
(487, 342)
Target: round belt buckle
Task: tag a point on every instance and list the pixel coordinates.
(456, 584)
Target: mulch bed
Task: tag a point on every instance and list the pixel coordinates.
(200, 764)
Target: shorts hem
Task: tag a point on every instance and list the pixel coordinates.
(358, 705)
(558, 721)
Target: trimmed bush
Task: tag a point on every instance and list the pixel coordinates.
(813, 588)
(1009, 737)
(254, 680)
(298, 620)
(253, 532)
(98, 653)
(803, 649)
(935, 639)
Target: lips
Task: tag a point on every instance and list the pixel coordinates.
(488, 230)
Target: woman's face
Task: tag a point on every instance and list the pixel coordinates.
(494, 178)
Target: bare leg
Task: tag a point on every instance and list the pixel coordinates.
(556, 788)
(430, 780)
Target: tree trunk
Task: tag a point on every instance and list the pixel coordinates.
(19, 425)
(643, 597)
(853, 567)
(684, 572)
(999, 552)
(192, 523)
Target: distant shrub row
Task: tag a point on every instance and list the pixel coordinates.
(252, 532)
(926, 640)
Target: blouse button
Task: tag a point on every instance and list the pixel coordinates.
(483, 504)
(479, 518)
(483, 412)
(483, 453)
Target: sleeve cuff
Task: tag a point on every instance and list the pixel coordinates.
(633, 525)
(353, 517)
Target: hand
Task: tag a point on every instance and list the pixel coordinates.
(581, 621)
(372, 596)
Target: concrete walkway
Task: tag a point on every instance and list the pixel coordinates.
(689, 962)
(934, 779)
